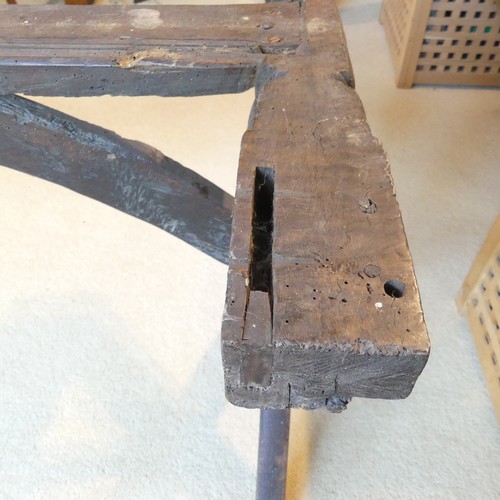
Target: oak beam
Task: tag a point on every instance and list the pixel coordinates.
(129, 50)
(322, 303)
(126, 175)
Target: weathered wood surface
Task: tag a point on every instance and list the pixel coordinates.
(122, 50)
(340, 315)
(127, 175)
(322, 303)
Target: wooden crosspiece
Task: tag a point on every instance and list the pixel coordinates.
(322, 303)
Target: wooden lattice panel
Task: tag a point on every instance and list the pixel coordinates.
(455, 42)
(396, 18)
(481, 297)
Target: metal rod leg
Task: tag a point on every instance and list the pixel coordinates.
(273, 454)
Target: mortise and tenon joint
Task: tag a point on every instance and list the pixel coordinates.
(322, 303)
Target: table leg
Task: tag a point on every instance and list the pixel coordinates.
(273, 454)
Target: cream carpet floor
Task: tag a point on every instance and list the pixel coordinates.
(110, 375)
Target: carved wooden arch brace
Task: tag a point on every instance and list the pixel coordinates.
(322, 303)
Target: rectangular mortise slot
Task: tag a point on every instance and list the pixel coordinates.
(262, 231)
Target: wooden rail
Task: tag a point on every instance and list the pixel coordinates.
(117, 50)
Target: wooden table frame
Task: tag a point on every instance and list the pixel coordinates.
(322, 303)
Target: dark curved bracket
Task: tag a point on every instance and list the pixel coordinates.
(127, 175)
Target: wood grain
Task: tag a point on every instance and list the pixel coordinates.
(127, 175)
(346, 313)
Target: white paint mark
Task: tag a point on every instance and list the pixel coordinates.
(111, 156)
(379, 305)
(146, 19)
(317, 25)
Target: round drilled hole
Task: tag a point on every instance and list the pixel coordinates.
(394, 288)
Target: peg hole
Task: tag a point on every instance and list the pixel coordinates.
(394, 288)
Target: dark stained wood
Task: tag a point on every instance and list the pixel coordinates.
(140, 50)
(127, 175)
(345, 308)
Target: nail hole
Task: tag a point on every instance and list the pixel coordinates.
(394, 288)
(344, 300)
(286, 321)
